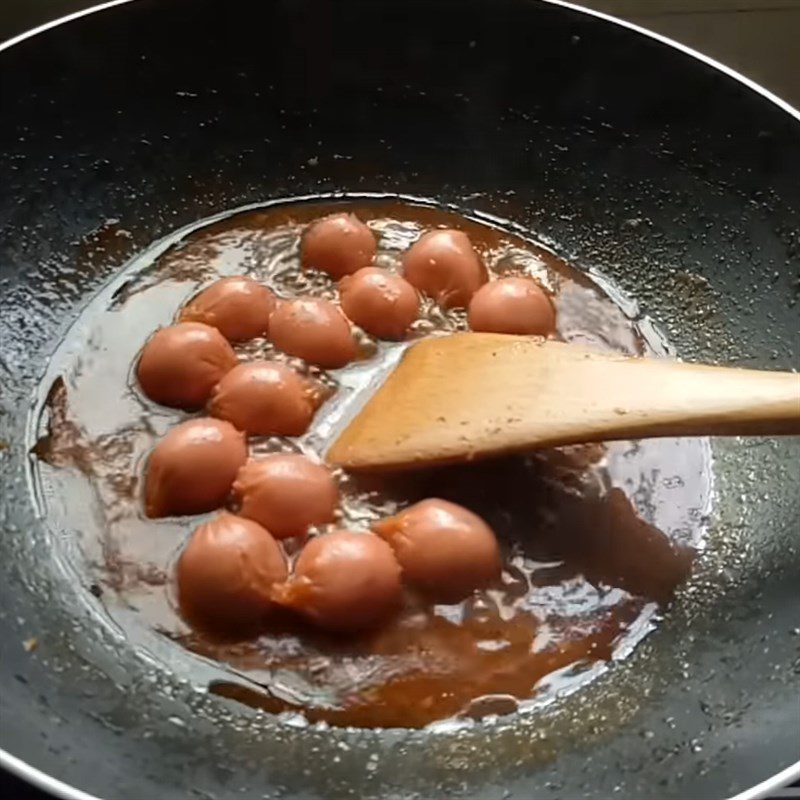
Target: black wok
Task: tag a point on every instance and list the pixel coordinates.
(630, 155)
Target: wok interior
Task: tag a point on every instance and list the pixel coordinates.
(633, 160)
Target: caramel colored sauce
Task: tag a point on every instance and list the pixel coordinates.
(595, 538)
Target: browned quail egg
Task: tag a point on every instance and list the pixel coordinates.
(444, 549)
(286, 493)
(238, 307)
(314, 330)
(226, 574)
(339, 245)
(179, 365)
(444, 265)
(344, 581)
(380, 302)
(512, 305)
(191, 469)
(265, 398)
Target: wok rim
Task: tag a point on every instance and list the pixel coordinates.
(63, 791)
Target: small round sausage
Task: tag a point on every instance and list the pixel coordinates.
(238, 307)
(344, 581)
(512, 305)
(314, 330)
(226, 573)
(339, 245)
(381, 303)
(179, 365)
(191, 470)
(286, 494)
(444, 265)
(264, 398)
(444, 550)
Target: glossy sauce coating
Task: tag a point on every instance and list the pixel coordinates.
(264, 398)
(592, 541)
(286, 494)
(226, 574)
(445, 550)
(237, 306)
(313, 329)
(512, 305)
(191, 469)
(380, 302)
(444, 265)
(344, 581)
(180, 364)
(339, 245)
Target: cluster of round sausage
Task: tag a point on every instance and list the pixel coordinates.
(233, 569)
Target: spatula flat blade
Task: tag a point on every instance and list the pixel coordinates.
(457, 397)
(472, 395)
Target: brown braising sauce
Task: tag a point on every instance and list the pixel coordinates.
(595, 539)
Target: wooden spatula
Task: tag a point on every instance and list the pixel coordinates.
(470, 395)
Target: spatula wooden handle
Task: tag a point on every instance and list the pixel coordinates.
(472, 395)
(659, 397)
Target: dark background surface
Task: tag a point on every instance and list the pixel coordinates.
(756, 37)
(750, 35)
(11, 787)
